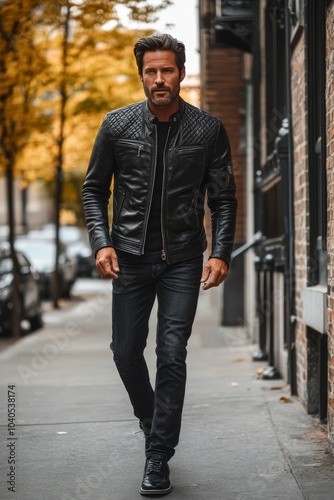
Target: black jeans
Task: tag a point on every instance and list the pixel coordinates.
(176, 288)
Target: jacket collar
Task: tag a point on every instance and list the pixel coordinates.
(174, 119)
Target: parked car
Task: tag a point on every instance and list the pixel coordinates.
(42, 254)
(77, 243)
(29, 292)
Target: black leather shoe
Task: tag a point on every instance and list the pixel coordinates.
(156, 478)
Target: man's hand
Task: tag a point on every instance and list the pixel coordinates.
(214, 273)
(107, 263)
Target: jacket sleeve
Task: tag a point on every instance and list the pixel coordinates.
(220, 187)
(96, 190)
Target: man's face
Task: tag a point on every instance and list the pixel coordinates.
(161, 77)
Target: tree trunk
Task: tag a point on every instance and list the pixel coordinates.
(60, 156)
(16, 310)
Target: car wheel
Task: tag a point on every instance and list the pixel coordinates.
(36, 322)
(7, 323)
(5, 327)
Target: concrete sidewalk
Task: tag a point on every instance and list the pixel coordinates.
(76, 437)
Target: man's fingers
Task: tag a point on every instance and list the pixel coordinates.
(214, 273)
(106, 271)
(107, 263)
(114, 263)
(205, 275)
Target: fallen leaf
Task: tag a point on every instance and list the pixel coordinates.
(284, 399)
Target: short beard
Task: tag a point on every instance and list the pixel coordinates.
(162, 101)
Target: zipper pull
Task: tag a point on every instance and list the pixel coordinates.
(139, 150)
(163, 255)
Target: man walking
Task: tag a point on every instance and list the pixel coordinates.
(164, 156)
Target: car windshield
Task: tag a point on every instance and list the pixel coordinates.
(38, 251)
(67, 234)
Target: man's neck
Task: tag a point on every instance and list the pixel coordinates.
(163, 113)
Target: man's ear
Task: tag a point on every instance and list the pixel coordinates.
(183, 74)
(140, 77)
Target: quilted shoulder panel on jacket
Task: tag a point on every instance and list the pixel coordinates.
(126, 122)
(198, 127)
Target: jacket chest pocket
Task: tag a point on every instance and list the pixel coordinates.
(128, 149)
(133, 161)
(189, 165)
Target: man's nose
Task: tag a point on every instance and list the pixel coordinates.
(159, 77)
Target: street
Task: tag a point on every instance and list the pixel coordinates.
(68, 432)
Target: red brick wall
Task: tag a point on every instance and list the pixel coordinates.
(299, 110)
(224, 99)
(330, 197)
(222, 95)
(301, 207)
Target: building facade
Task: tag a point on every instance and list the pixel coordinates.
(284, 52)
(222, 94)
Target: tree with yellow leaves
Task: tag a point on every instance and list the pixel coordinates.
(62, 64)
(19, 67)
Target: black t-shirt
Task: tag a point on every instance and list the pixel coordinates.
(154, 236)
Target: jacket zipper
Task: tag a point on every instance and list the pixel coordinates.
(121, 205)
(151, 193)
(163, 252)
(126, 144)
(190, 149)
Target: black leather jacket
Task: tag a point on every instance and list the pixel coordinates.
(197, 160)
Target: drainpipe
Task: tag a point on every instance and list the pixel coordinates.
(290, 243)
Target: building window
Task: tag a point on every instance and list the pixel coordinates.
(270, 176)
(316, 105)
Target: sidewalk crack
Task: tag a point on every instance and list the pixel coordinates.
(285, 455)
